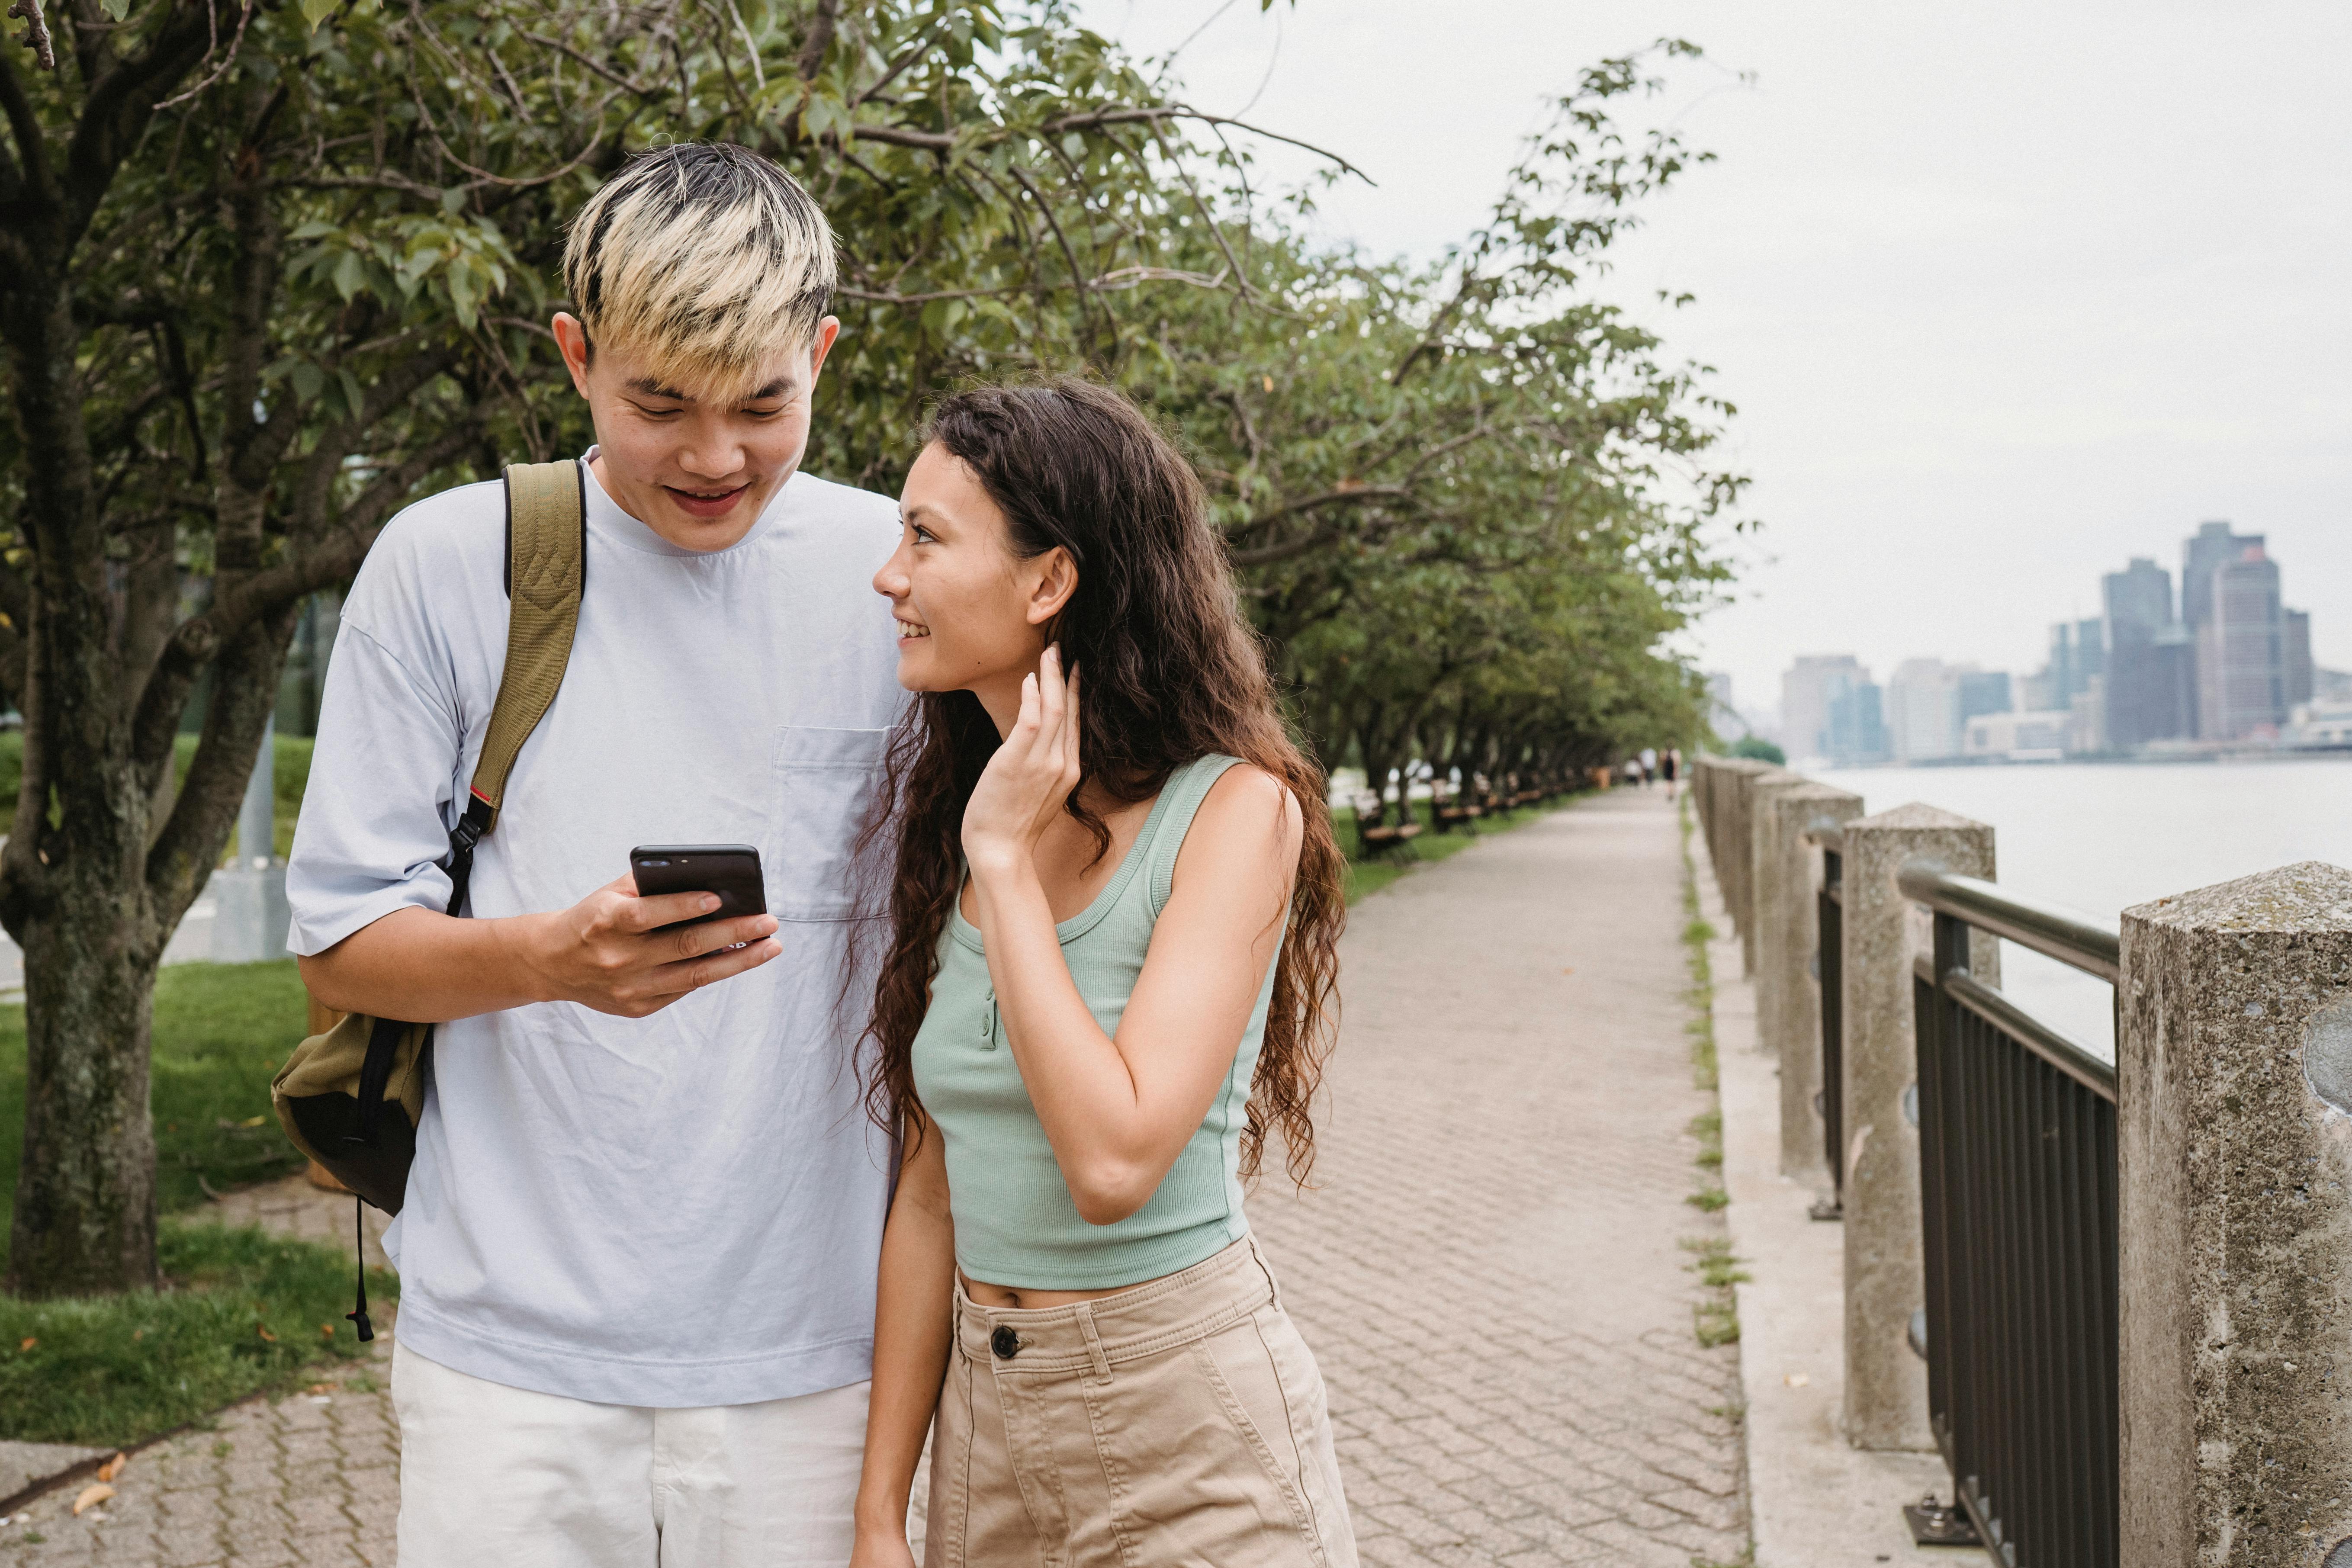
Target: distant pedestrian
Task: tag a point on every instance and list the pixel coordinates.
(1649, 766)
(1632, 771)
(1673, 766)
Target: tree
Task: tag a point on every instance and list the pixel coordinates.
(1463, 496)
(267, 272)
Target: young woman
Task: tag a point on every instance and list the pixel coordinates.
(1115, 909)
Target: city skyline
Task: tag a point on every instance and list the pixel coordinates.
(2228, 661)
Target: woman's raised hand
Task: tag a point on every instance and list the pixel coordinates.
(1031, 774)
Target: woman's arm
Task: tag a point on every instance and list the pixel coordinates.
(911, 1350)
(1118, 1111)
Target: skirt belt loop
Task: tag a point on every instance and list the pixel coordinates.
(1094, 1341)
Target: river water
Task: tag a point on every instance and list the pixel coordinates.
(2103, 837)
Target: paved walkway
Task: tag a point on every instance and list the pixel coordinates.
(1490, 1267)
(1491, 1271)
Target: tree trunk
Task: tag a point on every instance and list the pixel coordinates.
(86, 1190)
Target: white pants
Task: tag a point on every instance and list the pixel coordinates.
(496, 1476)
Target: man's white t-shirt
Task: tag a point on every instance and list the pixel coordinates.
(674, 1211)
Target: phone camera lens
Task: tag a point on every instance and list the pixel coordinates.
(657, 862)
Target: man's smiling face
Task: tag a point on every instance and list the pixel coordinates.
(695, 468)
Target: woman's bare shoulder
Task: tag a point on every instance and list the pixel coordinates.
(1248, 815)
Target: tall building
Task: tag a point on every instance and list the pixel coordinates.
(1983, 692)
(2206, 551)
(1806, 692)
(1923, 717)
(1721, 716)
(1857, 728)
(2302, 676)
(2139, 595)
(2090, 662)
(2241, 647)
(2147, 690)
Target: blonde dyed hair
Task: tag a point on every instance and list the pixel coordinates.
(704, 258)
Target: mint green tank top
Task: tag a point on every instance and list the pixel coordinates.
(1015, 1224)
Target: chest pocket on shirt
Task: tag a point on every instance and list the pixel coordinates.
(827, 779)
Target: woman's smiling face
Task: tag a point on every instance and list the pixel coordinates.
(972, 614)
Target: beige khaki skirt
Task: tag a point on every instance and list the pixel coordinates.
(1180, 1422)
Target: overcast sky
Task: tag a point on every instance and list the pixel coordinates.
(2006, 294)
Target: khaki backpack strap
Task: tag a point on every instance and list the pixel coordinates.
(547, 562)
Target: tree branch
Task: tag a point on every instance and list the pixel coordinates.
(35, 36)
(872, 297)
(1100, 117)
(890, 73)
(313, 490)
(899, 136)
(28, 172)
(819, 42)
(120, 102)
(1288, 550)
(190, 844)
(309, 565)
(1346, 495)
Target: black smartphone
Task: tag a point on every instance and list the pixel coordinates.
(730, 871)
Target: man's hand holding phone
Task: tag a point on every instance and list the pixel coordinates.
(618, 952)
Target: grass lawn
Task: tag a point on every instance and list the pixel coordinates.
(117, 1369)
(246, 1312)
(1366, 877)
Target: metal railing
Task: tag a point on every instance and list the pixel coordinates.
(1828, 971)
(2016, 1165)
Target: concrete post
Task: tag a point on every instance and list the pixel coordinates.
(1755, 789)
(1886, 1382)
(1787, 935)
(1735, 851)
(251, 913)
(1706, 784)
(1763, 851)
(2234, 1142)
(257, 835)
(1709, 784)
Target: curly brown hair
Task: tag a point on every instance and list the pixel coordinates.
(1172, 673)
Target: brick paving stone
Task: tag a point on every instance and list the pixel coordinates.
(1488, 1268)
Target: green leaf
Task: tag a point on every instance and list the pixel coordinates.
(316, 11)
(349, 274)
(462, 296)
(309, 380)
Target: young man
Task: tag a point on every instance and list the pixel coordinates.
(638, 1249)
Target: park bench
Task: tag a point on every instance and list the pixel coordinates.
(1377, 837)
(1446, 805)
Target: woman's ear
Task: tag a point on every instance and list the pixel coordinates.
(1057, 579)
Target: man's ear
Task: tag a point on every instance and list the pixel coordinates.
(1057, 579)
(826, 331)
(572, 341)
